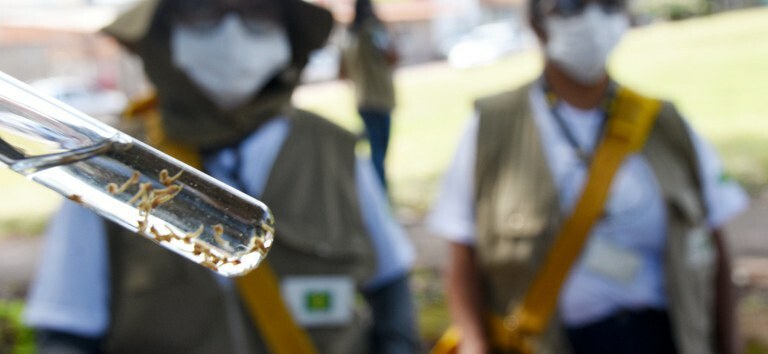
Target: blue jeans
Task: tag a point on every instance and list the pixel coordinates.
(628, 332)
(55, 342)
(394, 325)
(377, 128)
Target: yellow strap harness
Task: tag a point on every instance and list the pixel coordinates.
(629, 125)
(281, 334)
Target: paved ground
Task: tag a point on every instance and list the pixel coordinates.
(18, 260)
(748, 236)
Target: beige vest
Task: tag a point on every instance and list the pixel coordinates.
(162, 303)
(367, 68)
(518, 216)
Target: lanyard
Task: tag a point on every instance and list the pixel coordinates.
(606, 105)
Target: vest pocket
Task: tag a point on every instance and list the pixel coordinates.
(519, 225)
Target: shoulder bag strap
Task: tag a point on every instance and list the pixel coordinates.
(261, 295)
(632, 117)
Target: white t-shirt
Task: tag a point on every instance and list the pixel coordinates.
(633, 232)
(71, 290)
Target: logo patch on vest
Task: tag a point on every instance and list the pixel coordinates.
(319, 300)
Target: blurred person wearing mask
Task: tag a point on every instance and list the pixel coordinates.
(369, 58)
(652, 275)
(224, 72)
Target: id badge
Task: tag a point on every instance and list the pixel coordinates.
(606, 259)
(319, 300)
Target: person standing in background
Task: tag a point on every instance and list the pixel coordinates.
(574, 155)
(368, 59)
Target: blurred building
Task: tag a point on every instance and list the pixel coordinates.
(55, 46)
(57, 38)
(422, 28)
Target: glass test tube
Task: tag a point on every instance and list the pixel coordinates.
(131, 183)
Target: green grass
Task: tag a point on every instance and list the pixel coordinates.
(25, 206)
(715, 70)
(14, 338)
(434, 103)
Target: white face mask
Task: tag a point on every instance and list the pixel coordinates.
(231, 62)
(580, 44)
